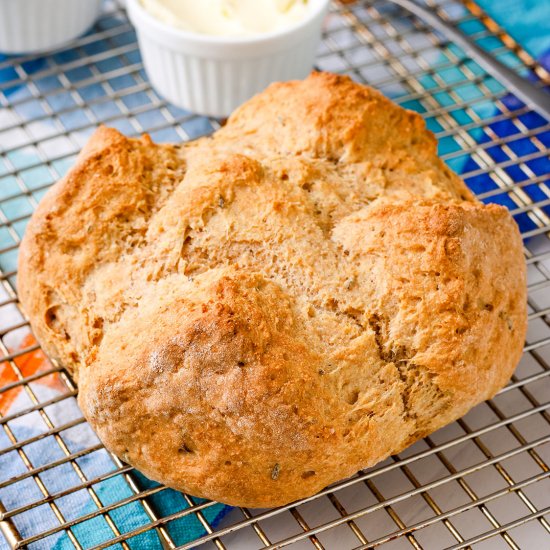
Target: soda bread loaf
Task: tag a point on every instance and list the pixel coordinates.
(259, 313)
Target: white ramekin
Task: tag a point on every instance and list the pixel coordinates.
(33, 26)
(212, 75)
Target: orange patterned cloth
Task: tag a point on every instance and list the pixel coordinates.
(27, 364)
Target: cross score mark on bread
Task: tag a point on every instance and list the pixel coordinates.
(259, 313)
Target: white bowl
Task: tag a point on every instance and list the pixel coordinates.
(213, 75)
(33, 26)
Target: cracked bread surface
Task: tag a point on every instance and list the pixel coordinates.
(259, 313)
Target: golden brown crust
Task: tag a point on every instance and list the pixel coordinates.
(255, 315)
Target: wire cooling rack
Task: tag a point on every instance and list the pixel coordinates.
(482, 482)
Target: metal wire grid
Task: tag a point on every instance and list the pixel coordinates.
(482, 482)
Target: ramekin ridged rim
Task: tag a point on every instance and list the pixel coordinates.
(138, 14)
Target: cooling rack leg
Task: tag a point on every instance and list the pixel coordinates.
(7, 528)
